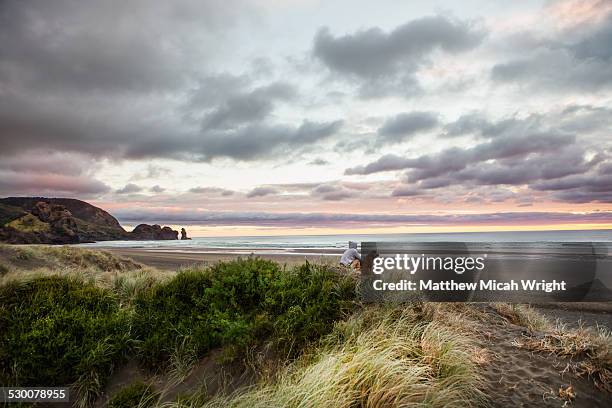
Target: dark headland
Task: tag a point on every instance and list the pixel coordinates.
(41, 220)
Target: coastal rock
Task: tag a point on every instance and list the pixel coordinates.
(184, 234)
(41, 220)
(42, 210)
(153, 232)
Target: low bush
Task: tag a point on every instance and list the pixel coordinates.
(303, 304)
(238, 304)
(137, 394)
(57, 331)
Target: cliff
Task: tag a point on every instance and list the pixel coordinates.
(147, 232)
(40, 220)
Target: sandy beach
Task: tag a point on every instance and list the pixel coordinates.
(172, 259)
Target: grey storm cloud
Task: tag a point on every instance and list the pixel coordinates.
(477, 124)
(561, 163)
(262, 192)
(44, 162)
(455, 159)
(157, 189)
(213, 90)
(68, 82)
(337, 195)
(385, 63)
(253, 106)
(129, 189)
(53, 173)
(407, 124)
(374, 53)
(260, 141)
(211, 191)
(332, 192)
(38, 184)
(298, 220)
(594, 186)
(48, 125)
(318, 162)
(405, 191)
(388, 162)
(104, 45)
(587, 182)
(517, 151)
(565, 61)
(505, 138)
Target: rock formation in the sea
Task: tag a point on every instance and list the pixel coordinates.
(40, 220)
(148, 232)
(184, 234)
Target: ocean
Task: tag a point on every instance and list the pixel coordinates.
(338, 242)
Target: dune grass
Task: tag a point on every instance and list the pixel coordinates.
(22, 257)
(122, 276)
(381, 356)
(523, 315)
(589, 350)
(135, 395)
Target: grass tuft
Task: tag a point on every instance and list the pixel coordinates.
(523, 315)
(379, 357)
(589, 350)
(135, 395)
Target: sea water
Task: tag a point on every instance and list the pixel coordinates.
(330, 242)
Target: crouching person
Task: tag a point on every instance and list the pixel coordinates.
(351, 257)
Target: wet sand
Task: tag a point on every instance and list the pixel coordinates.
(172, 259)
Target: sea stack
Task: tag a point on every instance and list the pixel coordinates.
(184, 234)
(153, 232)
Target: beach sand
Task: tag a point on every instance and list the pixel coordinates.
(172, 260)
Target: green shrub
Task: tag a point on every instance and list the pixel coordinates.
(238, 304)
(304, 303)
(137, 394)
(56, 331)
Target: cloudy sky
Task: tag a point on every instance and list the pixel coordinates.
(305, 116)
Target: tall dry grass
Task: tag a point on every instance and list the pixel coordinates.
(126, 278)
(589, 350)
(379, 357)
(523, 315)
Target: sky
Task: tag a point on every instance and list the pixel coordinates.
(311, 117)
